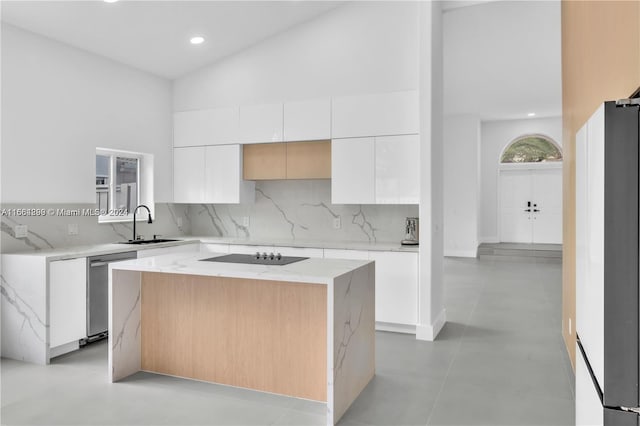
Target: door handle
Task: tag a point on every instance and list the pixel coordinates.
(527, 210)
(96, 264)
(536, 210)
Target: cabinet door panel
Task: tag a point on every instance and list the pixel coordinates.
(67, 301)
(205, 127)
(353, 171)
(309, 160)
(307, 120)
(396, 287)
(223, 170)
(188, 175)
(375, 115)
(398, 169)
(265, 161)
(261, 123)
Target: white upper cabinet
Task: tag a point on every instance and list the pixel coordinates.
(353, 171)
(375, 115)
(397, 169)
(261, 123)
(307, 120)
(188, 174)
(211, 174)
(223, 176)
(206, 127)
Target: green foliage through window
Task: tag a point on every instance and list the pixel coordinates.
(531, 149)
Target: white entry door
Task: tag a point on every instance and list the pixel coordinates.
(531, 205)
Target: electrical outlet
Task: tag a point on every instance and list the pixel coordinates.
(72, 229)
(179, 221)
(245, 221)
(337, 223)
(21, 231)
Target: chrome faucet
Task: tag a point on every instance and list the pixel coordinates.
(135, 237)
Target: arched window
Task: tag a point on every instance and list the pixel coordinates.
(531, 149)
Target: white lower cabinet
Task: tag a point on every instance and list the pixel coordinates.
(184, 248)
(396, 284)
(67, 302)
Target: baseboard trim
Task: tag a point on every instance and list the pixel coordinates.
(460, 253)
(395, 328)
(431, 331)
(63, 349)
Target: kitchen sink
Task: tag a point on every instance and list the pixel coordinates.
(155, 241)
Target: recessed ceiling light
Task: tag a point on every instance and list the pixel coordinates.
(531, 114)
(110, 1)
(197, 40)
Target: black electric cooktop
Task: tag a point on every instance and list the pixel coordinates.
(256, 259)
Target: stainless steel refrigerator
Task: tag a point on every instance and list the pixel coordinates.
(607, 265)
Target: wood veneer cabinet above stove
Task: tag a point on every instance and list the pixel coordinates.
(289, 160)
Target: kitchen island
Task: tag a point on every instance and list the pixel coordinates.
(305, 329)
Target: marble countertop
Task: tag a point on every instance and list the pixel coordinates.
(312, 270)
(99, 249)
(346, 245)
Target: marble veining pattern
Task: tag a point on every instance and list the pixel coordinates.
(360, 219)
(301, 210)
(29, 316)
(51, 232)
(117, 341)
(291, 223)
(353, 335)
(24, 321)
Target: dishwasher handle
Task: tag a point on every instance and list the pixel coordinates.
(98, 263)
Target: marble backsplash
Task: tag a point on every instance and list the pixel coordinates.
(283, 210)
(300, 210)
(51, 231)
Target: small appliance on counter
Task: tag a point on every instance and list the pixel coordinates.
(412, 232)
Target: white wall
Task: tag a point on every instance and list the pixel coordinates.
(360, 47)
(461, 185)
(60, 103)
(495, 136)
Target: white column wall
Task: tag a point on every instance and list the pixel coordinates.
(431, 313)
(461, 185)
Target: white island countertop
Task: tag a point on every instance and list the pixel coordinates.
(312, 270)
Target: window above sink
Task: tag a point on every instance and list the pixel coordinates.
(124, 179)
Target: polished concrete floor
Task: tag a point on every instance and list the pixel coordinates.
(499, 360)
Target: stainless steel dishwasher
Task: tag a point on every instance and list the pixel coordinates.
(98, 293)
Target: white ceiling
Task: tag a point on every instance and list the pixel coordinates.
(154, 35)
(502, 59)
